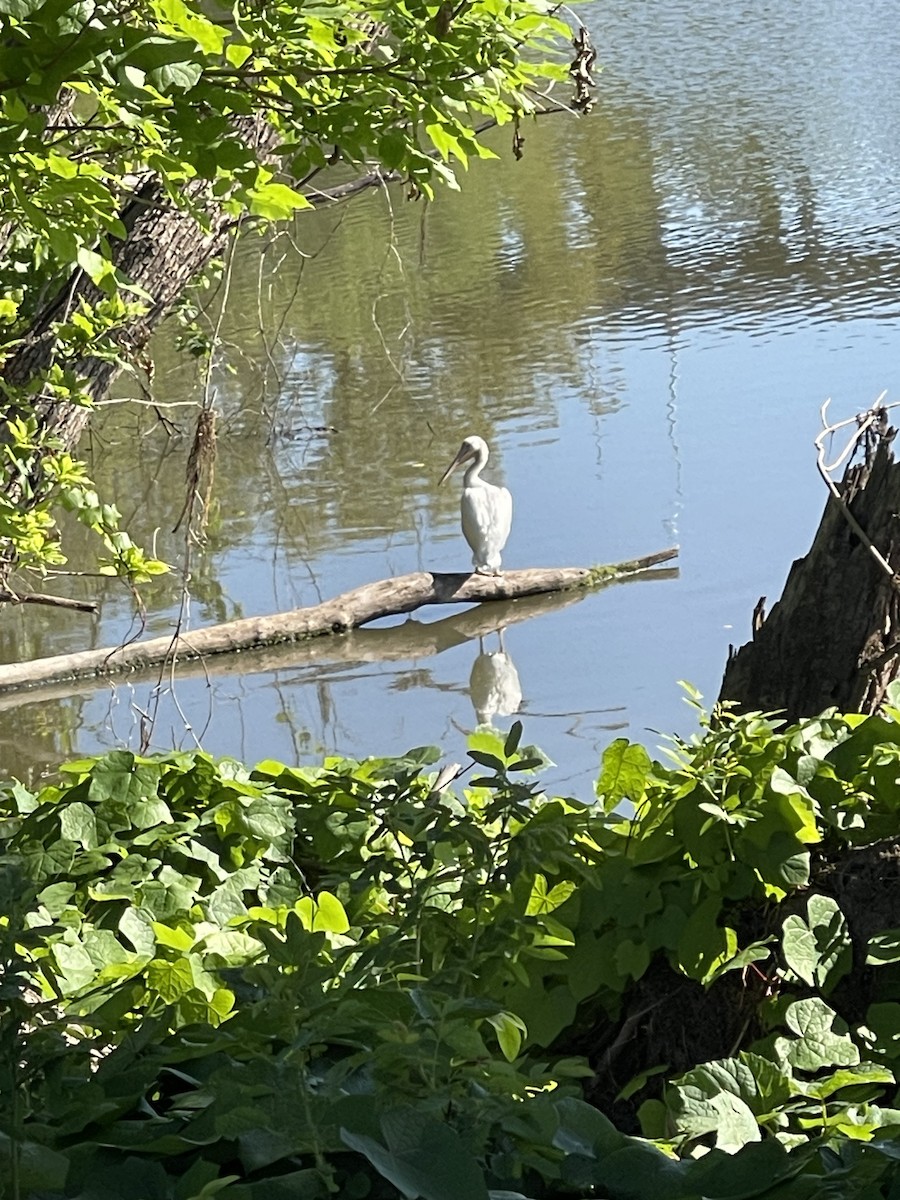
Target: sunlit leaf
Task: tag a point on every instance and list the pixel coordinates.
(170, 980)
(275, 201)
(623, 773)
(177, 939)
(817, 1044)
(330, 916)
(820, 951)
(78, 822)
(510, 1031)
(544, 899)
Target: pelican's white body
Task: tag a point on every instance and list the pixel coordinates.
(486, 509)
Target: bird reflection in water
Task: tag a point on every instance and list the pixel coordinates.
(494, 685)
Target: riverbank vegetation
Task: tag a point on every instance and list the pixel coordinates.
(355, 980)
(135, 150)
(361, 980)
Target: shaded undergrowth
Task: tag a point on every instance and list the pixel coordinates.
(296, 982)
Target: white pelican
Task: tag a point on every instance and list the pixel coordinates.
(486, 509)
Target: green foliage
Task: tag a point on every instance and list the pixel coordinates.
(819, 951)
(97, 101)
(336, 981)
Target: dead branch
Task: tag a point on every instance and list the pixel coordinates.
(7, 597)
(387, 597)
(875, 419)
(313, 658)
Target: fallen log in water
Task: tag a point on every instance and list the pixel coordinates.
(387, 597)
(833, 639)
(317, 658)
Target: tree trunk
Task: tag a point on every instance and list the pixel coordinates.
(166, 247)
(833, 639)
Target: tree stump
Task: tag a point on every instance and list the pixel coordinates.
(833, 639)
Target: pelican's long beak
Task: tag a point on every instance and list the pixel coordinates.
(462, 455)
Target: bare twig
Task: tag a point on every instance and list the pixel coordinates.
(875, 416)
(8, 597)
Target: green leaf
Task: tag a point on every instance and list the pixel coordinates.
(209, 37)
(423, 1157)
(488, 742)
(330, 916)
(544, 900)
(865, 1073)
(848, 756)
(513, 738)
(781, 865)
(726, 1115)
(137, 927)
(487, 760)
(817, 1045)
(275, 201)
(39, 1169)
(755, 952)
(820, 952)
(100, 270)
(176, 939)
(77, 821)
(704, 946)
(75, 965)
(510, 1031)
(42, 862)
(632, 958)
(623, 774)
(56, 897)
(754, 1170)
(237, 54)
(883, 947)
(585, 1131)
(799, 946)
(118, 776)
(883, 1028)
(637, 1084)
(445, 142)
(175, 77)
(763, 1086)
(170, 980)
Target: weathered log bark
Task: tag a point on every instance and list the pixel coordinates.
(314, 657)
(833, 639)
(388, 597)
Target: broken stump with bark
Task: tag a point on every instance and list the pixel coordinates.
(833, 639)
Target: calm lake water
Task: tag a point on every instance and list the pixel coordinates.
(643, 317)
